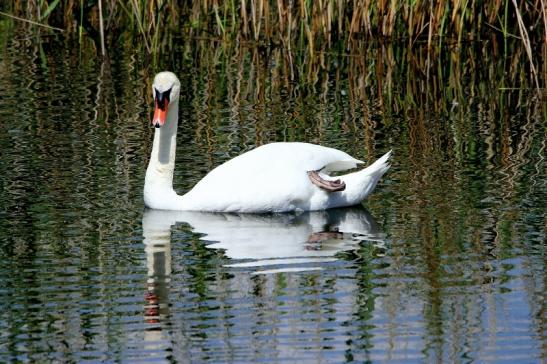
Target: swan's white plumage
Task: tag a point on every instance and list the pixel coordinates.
(270, 178)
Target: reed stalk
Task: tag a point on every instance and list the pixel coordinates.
(31, 22)
(313, 25)
(101, 27)
(526, 42)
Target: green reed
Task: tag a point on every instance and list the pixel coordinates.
(310, 25)
(317, 23)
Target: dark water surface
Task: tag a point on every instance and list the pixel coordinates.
(445, 262)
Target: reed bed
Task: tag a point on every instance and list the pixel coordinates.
(307, 26)
(315, 24)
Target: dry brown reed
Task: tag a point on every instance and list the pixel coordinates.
(308, 25)
(314, 23)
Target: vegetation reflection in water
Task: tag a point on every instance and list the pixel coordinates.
(457, 272)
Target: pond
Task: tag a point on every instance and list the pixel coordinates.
(444, 262)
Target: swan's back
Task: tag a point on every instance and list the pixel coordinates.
(272, 177)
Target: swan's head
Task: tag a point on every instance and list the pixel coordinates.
(166, 90)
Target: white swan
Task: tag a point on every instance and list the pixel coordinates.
(275, 177)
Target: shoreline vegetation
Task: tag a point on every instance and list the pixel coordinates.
(307, 31)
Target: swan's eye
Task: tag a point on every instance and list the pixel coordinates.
(162, 98)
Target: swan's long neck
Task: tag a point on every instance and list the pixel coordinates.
(158, 184)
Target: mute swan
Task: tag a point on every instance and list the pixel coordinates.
(275, 177)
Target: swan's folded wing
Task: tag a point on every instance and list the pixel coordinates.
(341, 165)
(311, 157)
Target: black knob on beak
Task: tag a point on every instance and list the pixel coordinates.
(162, 98)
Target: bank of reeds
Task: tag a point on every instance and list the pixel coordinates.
(315, 24)
(306, 25)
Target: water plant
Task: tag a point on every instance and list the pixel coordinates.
(303, 25)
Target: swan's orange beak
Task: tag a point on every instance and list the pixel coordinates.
(160, 114)
(161, 106)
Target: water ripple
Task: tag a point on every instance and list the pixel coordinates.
(446, 264)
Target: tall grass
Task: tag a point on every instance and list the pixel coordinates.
(311, 25)
(316, 23)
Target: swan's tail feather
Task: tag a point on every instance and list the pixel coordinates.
(366, 180)
(360, 184)
(380, 166)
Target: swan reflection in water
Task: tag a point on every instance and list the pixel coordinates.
(288, 242)
(262, 240)
(263, 244)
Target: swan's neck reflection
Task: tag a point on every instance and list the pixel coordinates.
(158, 258)
(157, 245)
